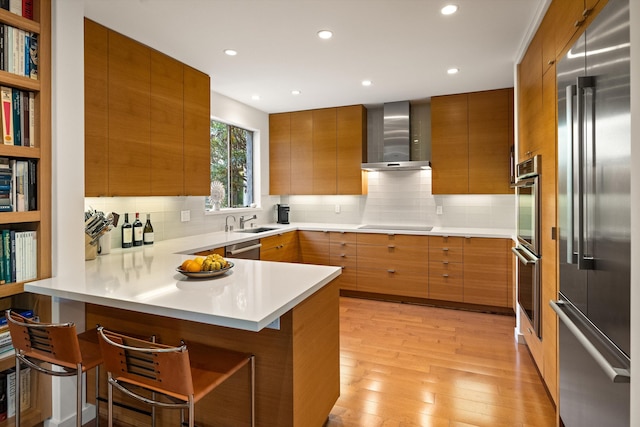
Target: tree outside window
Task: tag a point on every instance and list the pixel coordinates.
(232, 164)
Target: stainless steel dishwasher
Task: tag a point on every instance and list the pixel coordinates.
(245, 250)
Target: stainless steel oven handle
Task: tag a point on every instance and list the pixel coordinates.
(243, 250)
(616, 375)
(522, 257)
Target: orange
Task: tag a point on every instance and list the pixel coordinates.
(193, 266)
(184, 264)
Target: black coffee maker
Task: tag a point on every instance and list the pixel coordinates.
(283, 214)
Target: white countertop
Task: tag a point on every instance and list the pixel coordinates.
(251, 296)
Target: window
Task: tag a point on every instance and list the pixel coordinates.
(231, 166)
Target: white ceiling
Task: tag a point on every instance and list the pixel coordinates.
(403, 46)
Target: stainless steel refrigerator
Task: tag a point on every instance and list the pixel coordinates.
(594, 222)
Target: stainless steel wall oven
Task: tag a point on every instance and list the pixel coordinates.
(528, 247)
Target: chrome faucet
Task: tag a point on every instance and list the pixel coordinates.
(243, 220)
(228, 227)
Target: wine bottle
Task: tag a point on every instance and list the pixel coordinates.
(127, 232)
(148, 231)
(137, 231)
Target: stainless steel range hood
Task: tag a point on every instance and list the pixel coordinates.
(395, 150)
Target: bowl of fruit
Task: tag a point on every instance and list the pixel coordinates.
(205, 267)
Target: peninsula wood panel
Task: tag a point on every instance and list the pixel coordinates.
(297, 366)
(166, 125)
(324, 151)
(301, 152)
(280, 153)
(96, 117)
(351, 140)
(486, 271)
(196, 132)
(489, 142)
(449, 144)
(129, 117)
(314, 247)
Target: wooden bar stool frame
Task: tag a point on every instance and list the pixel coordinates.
(166, 370)
(59, 345)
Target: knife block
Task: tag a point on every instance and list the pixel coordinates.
(90, 251)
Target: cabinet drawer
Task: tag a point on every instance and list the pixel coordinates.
(397, 239)
(381, 257)
(446, 248)
(340, 237)
(400, 282)
(278, 240)
(446, 281)
(342, 260)
(348, 278)
(343, 248)
(314, 247)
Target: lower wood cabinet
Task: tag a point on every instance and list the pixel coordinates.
(446, 277)
(343, 252)
(487, 271)
(281, 247)
(393, 264)
(314, 247)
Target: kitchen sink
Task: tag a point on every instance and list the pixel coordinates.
(256, 230)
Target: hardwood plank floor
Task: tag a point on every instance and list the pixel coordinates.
(409, 365)
(404, 365)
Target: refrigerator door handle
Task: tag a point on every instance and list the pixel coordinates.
(523, 257)
(584, 263)
(570, 91)
(616, 375)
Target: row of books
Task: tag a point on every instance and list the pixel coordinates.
(23, 8)
(8, 393)
(18, 51)
(18, 192)
(18, 116)
(8, 377)
(18, 256)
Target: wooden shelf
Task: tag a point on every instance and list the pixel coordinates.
(17, 151)
(18, 21)
(10, 289)
(19, 82)
(19, 217)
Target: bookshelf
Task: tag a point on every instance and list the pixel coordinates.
(12, 294)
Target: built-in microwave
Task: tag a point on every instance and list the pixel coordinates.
(528, 249)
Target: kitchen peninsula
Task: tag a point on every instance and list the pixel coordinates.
(297, 356)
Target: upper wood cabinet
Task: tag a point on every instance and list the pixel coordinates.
(324, 151)
(146, 120)
(530, 100)
(317, 151)
(471, 137)
(197, 124)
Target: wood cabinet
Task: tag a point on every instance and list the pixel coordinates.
(393, 264)
(471, 136)
(487, 273)
(351, 146)
(197, 128)
(317, 151)
(281, 247)
(530, 100)
(146, 120)
(314, 247)
(280, 153)
(343, 251)
(446, 274)
(12, 294)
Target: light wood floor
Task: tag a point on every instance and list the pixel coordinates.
(409, 365)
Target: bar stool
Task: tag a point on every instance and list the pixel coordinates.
(180, 377)
(57, 344)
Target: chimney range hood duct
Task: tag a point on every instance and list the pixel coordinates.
(396, 146)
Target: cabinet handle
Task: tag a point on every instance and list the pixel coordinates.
(445, 249)
(391, 246)
(445, 275)
(342, 255)
(445, 262)
(391, 271)
(343, 267)
(551, 62)
(530, 331)
(586, 13)
(343, 244)
(578, 22)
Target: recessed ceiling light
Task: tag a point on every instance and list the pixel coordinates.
(230, 52)
(366, 83)
(453, 71)
(295, 92)
(255, 97)
(449, 9)
(325, 34)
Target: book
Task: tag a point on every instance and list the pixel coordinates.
(27, 9)
(7, 115)
(24, 122)
(15, 6)
(17, 113)
(25, 390)
(3, 396)
(6, 243)
(32, 119)
(31, 184)
(12, 254)
(33, 56)
(2, 65)
(29, 314)
(4, 4)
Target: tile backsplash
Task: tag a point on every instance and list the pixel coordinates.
(397, 197)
